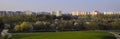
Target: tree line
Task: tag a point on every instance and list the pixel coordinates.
(52, 23)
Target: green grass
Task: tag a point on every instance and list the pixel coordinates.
(65, 35)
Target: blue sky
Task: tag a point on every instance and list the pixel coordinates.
(63, 5)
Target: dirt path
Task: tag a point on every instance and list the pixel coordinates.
(116, 35)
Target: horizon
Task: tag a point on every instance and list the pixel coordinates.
(62, 5)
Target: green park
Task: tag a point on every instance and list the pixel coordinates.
(60, 27)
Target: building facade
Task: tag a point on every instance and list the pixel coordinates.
(56, 13)
(10, 13)
(95, 12)
(28, 12)
(79, 13)
(108, 13)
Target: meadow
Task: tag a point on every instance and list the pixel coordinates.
(64, 35)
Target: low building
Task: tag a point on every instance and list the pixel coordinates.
(108, 13)
(118, 13)
(95, 12)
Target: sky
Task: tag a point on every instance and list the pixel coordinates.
(62, 5)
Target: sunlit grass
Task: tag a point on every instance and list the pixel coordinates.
(64, 35)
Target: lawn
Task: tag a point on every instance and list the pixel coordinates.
(64, 35)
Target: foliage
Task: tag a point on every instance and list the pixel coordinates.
(25, 27)
(44, 22)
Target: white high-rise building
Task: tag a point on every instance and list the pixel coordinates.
(57, 13)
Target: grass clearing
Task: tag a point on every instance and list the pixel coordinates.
(64, 35)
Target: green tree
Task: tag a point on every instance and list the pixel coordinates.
(115, 25)
(92, 26)
(17, 28)
(26, 26)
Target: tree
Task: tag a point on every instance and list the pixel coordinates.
(92, 26)
(79, 26)
(115, 25)
(42, 18)
(17, 28)
(37, 26)
(24, 27)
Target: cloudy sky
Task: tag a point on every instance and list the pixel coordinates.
(63, 5)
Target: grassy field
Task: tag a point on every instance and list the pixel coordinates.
(64, 35)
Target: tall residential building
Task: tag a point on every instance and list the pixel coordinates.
(57, 13)
(78, 13)
(3, 13)
(19, 13)
(10, 13)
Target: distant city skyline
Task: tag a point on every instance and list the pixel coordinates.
(65, 6)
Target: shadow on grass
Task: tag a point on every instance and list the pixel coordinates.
(22, 36)
(109, 37)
